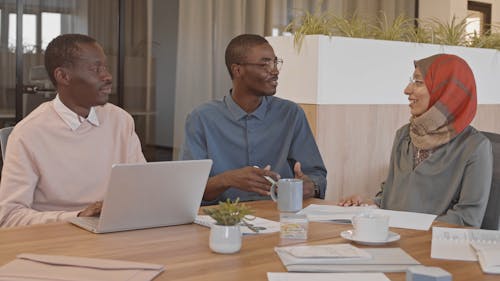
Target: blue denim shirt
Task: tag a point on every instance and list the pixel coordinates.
(276, 133)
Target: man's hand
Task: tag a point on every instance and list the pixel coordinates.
(307, 183)
(92, 210)
(250, 179)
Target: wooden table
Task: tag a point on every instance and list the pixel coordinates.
(184, 249)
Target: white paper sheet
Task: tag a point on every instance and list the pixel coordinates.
(488, 255)
(455, 243)
(382, 260)
(268, 226)
(409, 220)
(283, 276)
(333, 213)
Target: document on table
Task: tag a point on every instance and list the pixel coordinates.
(455, 243)
(283, 276)
(488, 256)
(333, 213)
(409, 220)
(264, 225)
(381, 260)
(28, 267)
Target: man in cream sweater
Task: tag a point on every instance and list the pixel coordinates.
(59, 157)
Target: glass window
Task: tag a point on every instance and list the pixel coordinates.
(51, 27)
(29, 32)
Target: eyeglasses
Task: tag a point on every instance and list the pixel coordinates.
(416, 82)
(269, 65)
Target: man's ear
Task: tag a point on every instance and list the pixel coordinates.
(62, 76)
(236, 70)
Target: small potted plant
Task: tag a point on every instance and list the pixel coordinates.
(225, 234)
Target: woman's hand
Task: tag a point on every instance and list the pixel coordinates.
(355, 200)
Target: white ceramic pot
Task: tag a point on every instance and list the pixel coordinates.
(225, 239)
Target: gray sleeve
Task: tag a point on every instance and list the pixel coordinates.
(378, 198)
(476, 184)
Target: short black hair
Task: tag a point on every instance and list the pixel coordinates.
(62, 51)
(238, 47)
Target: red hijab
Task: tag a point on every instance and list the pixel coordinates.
(453, 101)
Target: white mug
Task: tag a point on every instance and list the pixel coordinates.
(289, 195)
(370, 227)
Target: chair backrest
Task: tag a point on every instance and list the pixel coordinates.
(491, 218)
(4, 136)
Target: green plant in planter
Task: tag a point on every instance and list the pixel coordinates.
(308, 24)
(448, 33)
(489, 41)
(353, 26)
(432, 31)
(232, 213)
(401, 28)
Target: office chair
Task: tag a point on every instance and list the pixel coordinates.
(491, 218)
(4, 135)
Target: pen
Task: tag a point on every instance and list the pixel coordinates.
(268, 178)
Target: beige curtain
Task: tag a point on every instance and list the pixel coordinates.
(206, 27)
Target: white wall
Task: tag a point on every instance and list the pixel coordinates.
(342, 70)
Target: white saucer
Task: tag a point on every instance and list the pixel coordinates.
(349, 235)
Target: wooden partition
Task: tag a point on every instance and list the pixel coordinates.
(355, 142)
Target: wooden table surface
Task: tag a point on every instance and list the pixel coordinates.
(185, 253)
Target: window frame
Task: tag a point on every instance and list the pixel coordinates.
(485, 10)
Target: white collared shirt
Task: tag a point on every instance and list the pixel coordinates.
(71, 118)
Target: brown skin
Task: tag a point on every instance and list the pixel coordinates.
(87, 82)
(82, 85)
(418, 94)
(419, 98)
(250, 83)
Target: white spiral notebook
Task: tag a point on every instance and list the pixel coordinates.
(467, 245)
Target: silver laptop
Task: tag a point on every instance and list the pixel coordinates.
(150, 195)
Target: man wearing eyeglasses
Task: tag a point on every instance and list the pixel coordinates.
(250, 133)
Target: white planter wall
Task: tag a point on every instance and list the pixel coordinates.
(342, 70)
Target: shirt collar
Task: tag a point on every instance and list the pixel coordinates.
(71, 118)
(239, 113)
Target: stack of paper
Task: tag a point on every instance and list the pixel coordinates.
(283, 276)
(468, 245)
(409, 220)
(488, 256)
(344, 258)
(455, 243)
(263, 225)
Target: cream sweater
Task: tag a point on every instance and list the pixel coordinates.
(51, 172)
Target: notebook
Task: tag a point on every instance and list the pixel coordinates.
(361, 260)
(455, 243)
(153, 194)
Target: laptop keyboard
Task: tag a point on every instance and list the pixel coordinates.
(89, 222)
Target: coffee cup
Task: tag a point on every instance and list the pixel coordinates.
(289, 195)
(370, 227)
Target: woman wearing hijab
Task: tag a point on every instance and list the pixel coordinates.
(439, 163)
